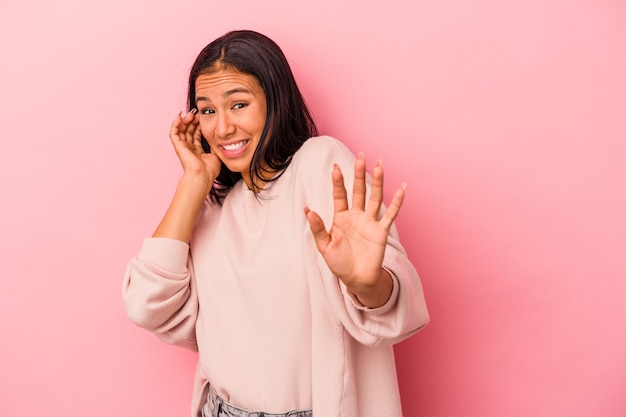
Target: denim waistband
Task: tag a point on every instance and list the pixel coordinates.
(217, 407)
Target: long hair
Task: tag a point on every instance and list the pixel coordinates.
(288, 123)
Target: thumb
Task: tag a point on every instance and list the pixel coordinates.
(322, 238)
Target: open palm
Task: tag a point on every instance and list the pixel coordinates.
(354, 246)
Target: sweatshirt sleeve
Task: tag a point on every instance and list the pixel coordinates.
(159, 291)
(405, 312)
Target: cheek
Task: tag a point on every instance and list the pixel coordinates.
(206, 132)
(261, 120)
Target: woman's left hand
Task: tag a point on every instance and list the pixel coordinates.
(354, 246)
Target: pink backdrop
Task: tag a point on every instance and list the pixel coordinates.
(507, 119)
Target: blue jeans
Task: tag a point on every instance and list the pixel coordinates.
(217, 407)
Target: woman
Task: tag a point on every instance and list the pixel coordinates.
(287, 317)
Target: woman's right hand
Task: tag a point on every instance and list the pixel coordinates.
(186, 137)
(200, 170)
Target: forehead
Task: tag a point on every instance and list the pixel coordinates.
(218, 82)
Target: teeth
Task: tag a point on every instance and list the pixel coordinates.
(235, 146)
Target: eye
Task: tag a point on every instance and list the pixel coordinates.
(206, 111)
(238, 106)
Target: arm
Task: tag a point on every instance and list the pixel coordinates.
(355, 244)
(371, 285)
(159, 292)
(199, 171)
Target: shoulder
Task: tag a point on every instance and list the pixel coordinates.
(322, 151)
(312, 165)
(323, 144)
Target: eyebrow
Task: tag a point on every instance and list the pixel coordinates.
(226, 94)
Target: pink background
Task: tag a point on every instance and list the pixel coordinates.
(507, 119)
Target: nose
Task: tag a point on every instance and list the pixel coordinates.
(225, 125)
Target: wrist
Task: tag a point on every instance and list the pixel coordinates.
(375, 295)
(196, 182)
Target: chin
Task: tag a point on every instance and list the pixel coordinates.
(236, 169)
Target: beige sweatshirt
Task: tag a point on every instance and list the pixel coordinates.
(275, 330)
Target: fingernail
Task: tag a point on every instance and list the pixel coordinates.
(361, 155)
(379, 162)
(403, 186)
(194, 110)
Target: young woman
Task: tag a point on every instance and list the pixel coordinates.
(285, 275)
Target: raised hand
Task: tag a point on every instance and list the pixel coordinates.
(186, 137)
(354, 246)
(200, 170)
